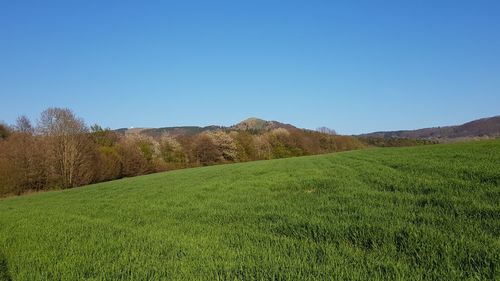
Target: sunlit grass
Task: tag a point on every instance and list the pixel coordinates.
(417, 213)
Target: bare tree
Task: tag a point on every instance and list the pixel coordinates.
(23, 158)
(326, 130)
(23, 125)
(132, 157)
(71, 149)
(206, 152)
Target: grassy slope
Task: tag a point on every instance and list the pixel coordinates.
(407, 213)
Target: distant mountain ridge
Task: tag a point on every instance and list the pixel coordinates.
(480, 128)
(484, 127)
(251, 124)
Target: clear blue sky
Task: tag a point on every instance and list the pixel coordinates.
(355, 66)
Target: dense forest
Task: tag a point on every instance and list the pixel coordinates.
(394, 141)
(61, 151)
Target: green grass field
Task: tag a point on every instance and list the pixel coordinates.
(430, 212)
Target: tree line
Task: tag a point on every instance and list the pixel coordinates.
(395, 141)
(60, 151)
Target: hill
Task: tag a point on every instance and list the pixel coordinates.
(429, 212)
(259, 125)
(485, 127)
(251, 124)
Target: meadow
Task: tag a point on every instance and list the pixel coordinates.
(420, 213)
